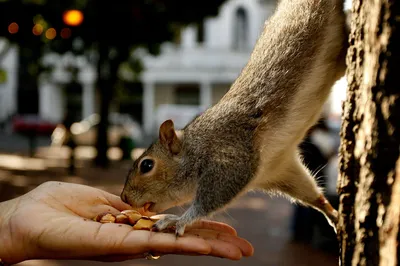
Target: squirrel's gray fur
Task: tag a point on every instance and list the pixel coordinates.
(249, 139)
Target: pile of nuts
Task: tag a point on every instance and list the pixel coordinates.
(130, 217)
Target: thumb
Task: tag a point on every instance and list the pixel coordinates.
(116, 202)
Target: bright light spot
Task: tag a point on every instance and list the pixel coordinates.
(18, 162)
(85, 152)
(65, 33)
(114, 153)
(80, 127)
(85, 125)
(73, 17)
(347, 4)
(76, 128)
(58, 135)
(13, 28)
(52, 154)
(338, 95)
(51, 33)
(37, 29)
(136, 153)
(94, 119)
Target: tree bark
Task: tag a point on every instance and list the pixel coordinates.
(369, 181)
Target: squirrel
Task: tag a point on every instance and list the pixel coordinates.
(249, 139)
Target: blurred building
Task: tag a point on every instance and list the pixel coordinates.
(8, 80)
(189, 75)
(70, 85)
(199, 70)
(58, 88)
(192, 73)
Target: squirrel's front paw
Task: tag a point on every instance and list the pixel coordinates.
(169, 221)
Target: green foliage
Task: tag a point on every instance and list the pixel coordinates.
(119, 23)
(3, 76)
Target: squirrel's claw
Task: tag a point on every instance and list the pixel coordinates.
(169, 221)
(180, 229)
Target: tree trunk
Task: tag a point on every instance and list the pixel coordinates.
(105, 88)
(369, 181)
(107, 79)
(110, 58)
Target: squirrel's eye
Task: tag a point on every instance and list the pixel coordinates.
(146, 166)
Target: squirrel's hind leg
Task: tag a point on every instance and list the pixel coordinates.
(298, 183)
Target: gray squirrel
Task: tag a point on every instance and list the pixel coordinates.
(249, 139)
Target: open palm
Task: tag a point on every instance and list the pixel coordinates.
(54, 221)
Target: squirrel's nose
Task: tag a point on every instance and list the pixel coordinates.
(124, 198)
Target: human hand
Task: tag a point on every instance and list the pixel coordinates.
(53, 221)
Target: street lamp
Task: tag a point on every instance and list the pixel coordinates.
(73, 17)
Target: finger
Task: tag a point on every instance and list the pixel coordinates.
(91, 239)
(114, 238)
(224, 249)
(115, 258)
(120, 258)
(245, 247)
(168, 243)
(180, 253)
(216, 244)
(206, 224)
(93, 211)
(82, 200)
(116, 202)
(213, 225)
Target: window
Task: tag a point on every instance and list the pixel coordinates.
(187, 94)
(240, 30)
(200, 32)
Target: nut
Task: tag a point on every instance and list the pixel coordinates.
(133, 216)
(105, 218)
(99, 216)
(143, 224)
(157, 217)
(122, 219)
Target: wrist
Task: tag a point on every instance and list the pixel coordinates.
(7, 248)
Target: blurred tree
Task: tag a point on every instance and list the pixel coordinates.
(112, 28)
(369, 184)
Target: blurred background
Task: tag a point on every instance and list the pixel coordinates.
(85, 84)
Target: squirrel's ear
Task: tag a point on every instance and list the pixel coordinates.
(169, 138)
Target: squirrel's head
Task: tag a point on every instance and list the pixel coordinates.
(151, 182)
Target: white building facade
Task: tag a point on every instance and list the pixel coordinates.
(53, 86)
(205, 67)
(194, 73)
(189, 74)
(8, 86)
